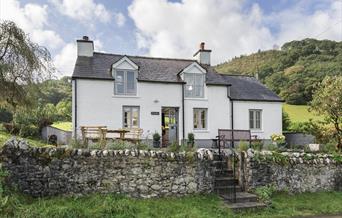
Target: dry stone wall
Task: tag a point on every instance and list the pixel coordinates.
(295, 172)
(61, 171)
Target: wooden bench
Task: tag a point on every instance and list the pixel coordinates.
(94, 132)
(134, 135)
(228, 137)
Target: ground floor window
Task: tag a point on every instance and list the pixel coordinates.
(131, 117)
(255, 119)
(200, 118)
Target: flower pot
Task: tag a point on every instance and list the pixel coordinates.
(156, 144)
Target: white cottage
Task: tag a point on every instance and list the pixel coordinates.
(170, 96)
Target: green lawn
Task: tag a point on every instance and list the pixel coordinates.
(67, 126)
(4, 136)
(199, 206)
(300, 113)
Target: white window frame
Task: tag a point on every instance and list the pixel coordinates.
(254, 120)
(130, 124)
(125, 82)
(194, 86)
(198, 112)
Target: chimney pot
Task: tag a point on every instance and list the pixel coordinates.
(202, 46)
(86, 38)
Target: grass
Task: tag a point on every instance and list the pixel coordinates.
(300, 113)
(66, 126)
(4, 136)
(197, 206)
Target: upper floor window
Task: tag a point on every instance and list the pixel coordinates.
(255, 119)
(194, 87)
(125, 82)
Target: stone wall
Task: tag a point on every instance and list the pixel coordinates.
(295, 172)
(60, 171)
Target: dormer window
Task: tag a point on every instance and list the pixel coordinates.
(125, 82)
(194, 87)
(125, 74)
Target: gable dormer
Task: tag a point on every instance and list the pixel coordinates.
(125, 74)
(194, 76)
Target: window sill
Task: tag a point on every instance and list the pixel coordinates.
(125, 96)
(196, 99)
(201, 131)
(257, 131)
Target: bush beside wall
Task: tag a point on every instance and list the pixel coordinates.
(294, 172)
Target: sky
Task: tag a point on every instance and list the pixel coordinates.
(171, 28)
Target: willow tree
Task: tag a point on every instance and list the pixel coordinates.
(327, 100)
(23, 64)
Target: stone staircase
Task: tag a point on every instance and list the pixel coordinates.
(226, 185)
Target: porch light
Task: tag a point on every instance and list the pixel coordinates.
(190, 88)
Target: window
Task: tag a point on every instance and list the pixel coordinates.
(255, 119)
(130, 117)
(200, 118)
(125, 82)
(194, 87)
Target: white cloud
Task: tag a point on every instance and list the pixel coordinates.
(65, 60)
(32, 18)
(120, 19)
(174, 29)
(83, 10)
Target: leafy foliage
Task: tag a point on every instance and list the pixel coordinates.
(327, 100)
(293, 71)
(23, 64)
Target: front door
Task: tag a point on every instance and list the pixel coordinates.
(169, 125)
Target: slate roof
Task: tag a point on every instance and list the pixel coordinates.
(167, 70)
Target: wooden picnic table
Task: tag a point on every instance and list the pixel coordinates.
(122, 132)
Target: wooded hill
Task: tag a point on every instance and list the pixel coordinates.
(292, 71)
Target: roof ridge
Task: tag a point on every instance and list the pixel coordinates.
(244, 75)
(146, 57)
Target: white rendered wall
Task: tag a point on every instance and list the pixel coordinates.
(97, 104)
(218, 115)
(271, 121)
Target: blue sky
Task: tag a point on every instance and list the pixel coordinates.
(172, 28)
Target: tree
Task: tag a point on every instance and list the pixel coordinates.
(286, 120)
(327, 100)
(23, 64)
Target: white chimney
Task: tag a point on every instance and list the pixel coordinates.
(85, 47)
(203, 55)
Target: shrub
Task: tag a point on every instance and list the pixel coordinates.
(257, 145)
(174, 147)
(76, 143)
(120, 145)
(265, 193)
(28, 131)
(329, 147)
(94, 145)
(243, 146)
(191, 139)
(156, 137)
(271, 147)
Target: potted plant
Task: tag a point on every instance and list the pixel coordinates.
(156, 140)
(191, 140)
(278, 139)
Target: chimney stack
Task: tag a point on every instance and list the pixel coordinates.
(203, 55)
(85, 47)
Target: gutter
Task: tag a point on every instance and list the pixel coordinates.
(231, 114)
(75, 99)
(183, 112)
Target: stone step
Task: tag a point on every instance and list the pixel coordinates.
(241, 197)
(246, 205)
(224, 172)
(221, 181)
(226, 189)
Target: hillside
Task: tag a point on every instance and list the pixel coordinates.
(292, 71)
